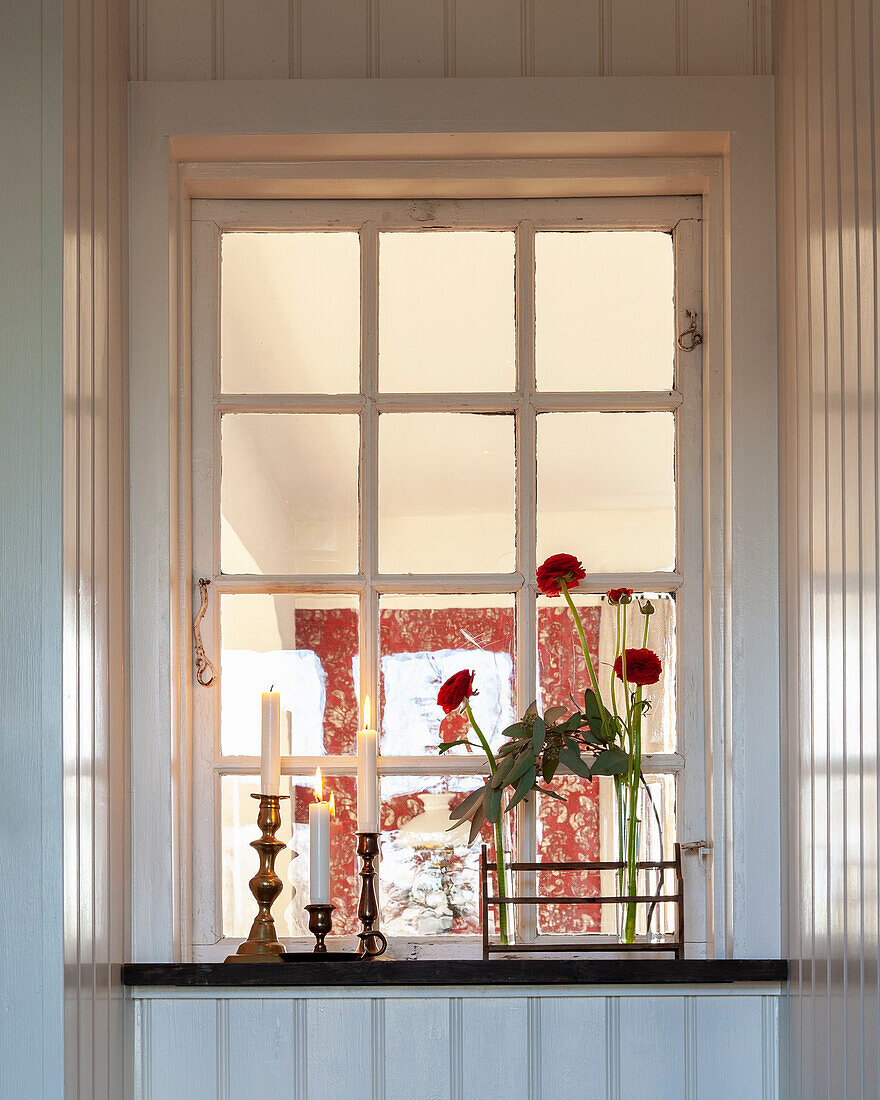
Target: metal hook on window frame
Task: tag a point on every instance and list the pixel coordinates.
(702, 847)
(696, 338)
(204, 669)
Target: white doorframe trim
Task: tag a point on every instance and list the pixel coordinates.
(183, 138)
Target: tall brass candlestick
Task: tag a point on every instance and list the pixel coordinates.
(373, 941)
(262, 944)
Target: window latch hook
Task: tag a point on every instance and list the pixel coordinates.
(204, 668)
(690, 338)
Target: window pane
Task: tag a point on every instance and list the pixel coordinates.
(446, 493)
(584, 828)
(240, 861)
(429, 877)
(606, 489)
(307, 647)
(423, 641)
(446, 312)
(562, 673)
(289, 493)
(290, 313)
(604, 311)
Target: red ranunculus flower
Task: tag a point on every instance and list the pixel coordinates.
(616, 595)
(559, 567)
(642, 666)
(457, 688)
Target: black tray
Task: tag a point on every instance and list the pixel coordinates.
(319, 956)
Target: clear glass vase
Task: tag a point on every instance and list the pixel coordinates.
(639, 838)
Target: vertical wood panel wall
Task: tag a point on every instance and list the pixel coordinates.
(94, 480)
(828, 111)
(458, 1045)
(31, 973)
(236, 39)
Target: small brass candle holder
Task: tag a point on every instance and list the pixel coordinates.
(320, 925)
(373, 942)
(262, 944)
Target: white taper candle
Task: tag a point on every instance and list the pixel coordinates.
(270, 757)
(368, 776)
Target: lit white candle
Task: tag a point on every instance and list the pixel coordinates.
(319, 845)
(270, 758)
(368, 776)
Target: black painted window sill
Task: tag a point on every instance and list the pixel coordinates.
(424, 972)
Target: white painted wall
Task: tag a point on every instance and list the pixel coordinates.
(243, 40)
(828, 108)
(612, 1043)
(31, 975)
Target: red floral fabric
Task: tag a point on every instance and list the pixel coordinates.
(567, 830)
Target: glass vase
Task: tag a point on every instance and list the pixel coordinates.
(628, 804)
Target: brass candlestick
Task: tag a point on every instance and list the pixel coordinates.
(320, 925)
(262, 944)
(372, 940)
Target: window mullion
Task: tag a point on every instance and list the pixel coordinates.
(369, 467)
(526, 536)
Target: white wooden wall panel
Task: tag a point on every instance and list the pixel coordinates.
(459, 1044)
(343, 1052)
(216, 39)
(265, 1025)
(651, 1047)
(418, 1045)
(255, 40)
(828, 106)
(492, 38)
(644, 38)
(334, 39)
(567, 37)
(413, 38)
(186, 1032)
(573, 1068)
(719, 36)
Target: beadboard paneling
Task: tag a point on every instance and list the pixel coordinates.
(250, 48)
(828, 106)
(334, 39)
(202, 39)
(392, 1044)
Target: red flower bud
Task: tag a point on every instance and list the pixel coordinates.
(457, 688)
(559, 567)
(619, 595)
(642, 666)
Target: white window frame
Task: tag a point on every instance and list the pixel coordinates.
(679, 215)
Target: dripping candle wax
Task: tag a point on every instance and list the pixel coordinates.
(319, 844)
(368, 776)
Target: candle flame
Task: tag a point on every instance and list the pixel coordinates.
(319, 785)
(332, 805)
(366, 712)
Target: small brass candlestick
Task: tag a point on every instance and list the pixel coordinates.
(373, 941)
(262, 944)
(320, 925)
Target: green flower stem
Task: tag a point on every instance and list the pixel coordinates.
(563, 588)
(499, 831)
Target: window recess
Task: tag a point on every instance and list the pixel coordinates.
(399, 409)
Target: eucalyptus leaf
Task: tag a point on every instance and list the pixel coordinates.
(523, 787)
(553, 714)
(498, 776)
(531, 709)
(516, 730)
(522, 765)
(551, 794)
(549, 764)
(539, 732)
(466, 807)
(511, 746)
(476, 825)
(492, 803)
(575, 762)
(613, 761)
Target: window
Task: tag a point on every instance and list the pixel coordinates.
(399, 409)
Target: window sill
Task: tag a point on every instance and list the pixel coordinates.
(450, 972)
